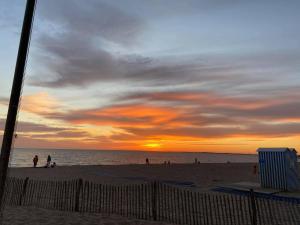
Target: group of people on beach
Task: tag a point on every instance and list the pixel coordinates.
(48, 164)
(165, 162)
(169, 162)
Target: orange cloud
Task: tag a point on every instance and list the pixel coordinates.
(139, 115)
(40, 103)
(207, 99)
(188, 121)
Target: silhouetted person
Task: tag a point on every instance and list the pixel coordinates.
(255, 169)
(169, 163)
(147, 161)
(48, 161)
(196, 160)
(35, 160)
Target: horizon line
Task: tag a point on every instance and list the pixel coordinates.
(131, 150)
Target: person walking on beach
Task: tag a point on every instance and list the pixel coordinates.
(147, 161)
(35, 160)
(48, 161)
(255, 170)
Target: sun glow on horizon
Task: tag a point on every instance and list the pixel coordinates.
(152, 144)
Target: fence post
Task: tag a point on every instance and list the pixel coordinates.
(23, 190)
(77, 195)
(253, 207)
(154, 200)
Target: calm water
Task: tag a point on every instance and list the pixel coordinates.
(23, 157)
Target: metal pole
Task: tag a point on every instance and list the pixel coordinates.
(15, 95)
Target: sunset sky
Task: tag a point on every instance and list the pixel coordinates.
(163, 75)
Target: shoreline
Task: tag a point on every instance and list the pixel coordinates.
(23, 158)
(129, 164)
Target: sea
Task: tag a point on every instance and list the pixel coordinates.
(21, 157)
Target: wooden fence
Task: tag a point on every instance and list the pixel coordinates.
(151, 201)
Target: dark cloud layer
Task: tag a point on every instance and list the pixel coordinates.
(256, 130)
(93, 19)
(32, 127)
(76, 54)
(75, 61)
(39, 134)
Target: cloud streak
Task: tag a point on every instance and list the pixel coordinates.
(197, 115)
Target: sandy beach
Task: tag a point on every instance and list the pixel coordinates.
(205, 175)
(38, 216)
(200, 178)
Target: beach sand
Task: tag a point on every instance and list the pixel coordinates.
(38, 216)
(205, 175)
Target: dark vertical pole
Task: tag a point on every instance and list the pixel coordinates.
(15, 94)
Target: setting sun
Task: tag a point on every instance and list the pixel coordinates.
(152, 145)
